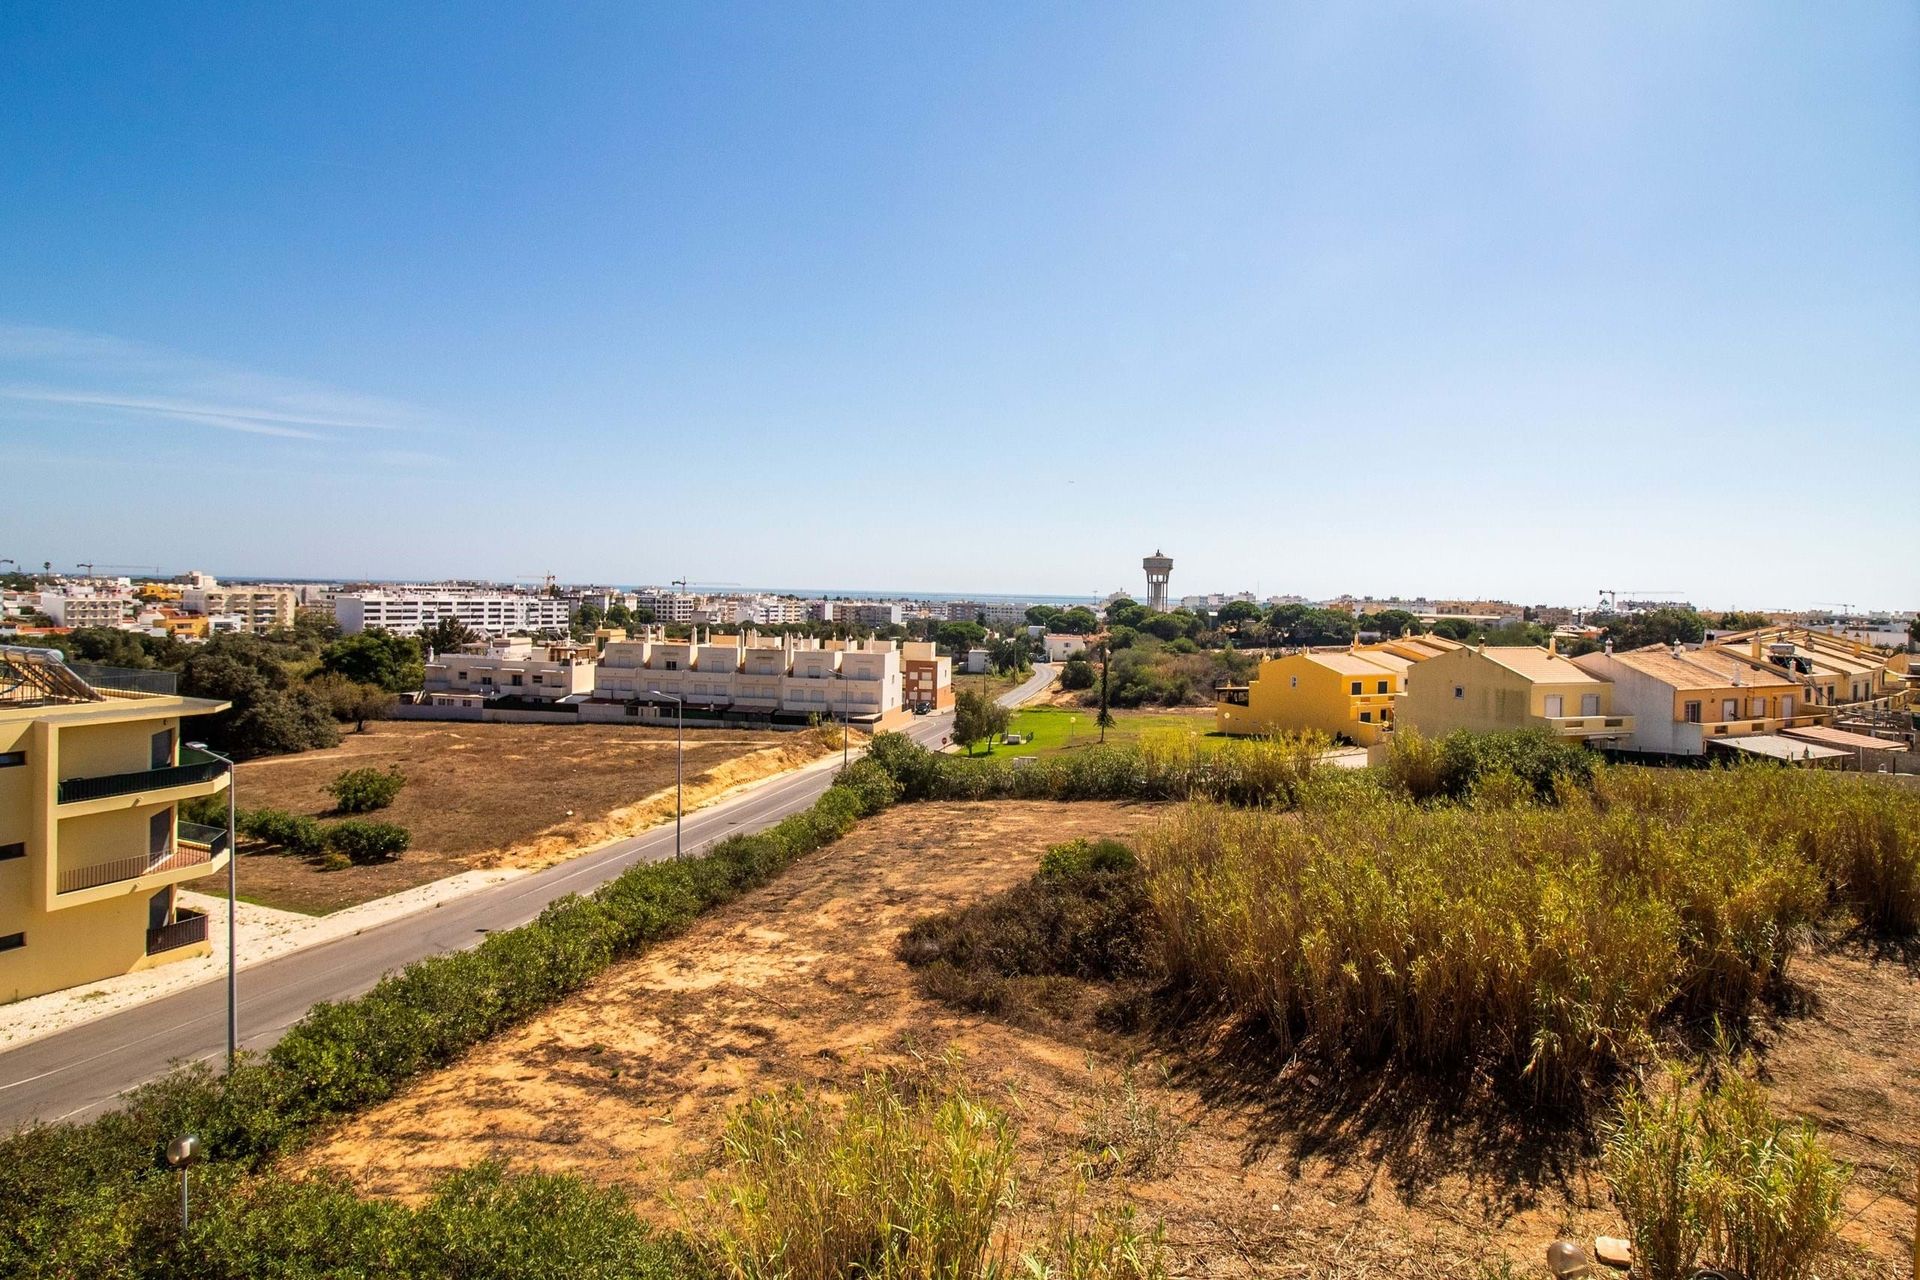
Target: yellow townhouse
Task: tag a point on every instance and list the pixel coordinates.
(91, 848)
(1489, 688)
(1683, 699)
(1834, 670)
(1348, 693)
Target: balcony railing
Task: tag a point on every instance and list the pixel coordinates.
(212, 839)
(194, 766)
(188, 928)
(126, 679)
(180, 857)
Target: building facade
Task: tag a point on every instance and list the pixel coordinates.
(85, 609)
(91, 846)
(786, 680)
(410, 611)
(1492, 688)
(1682, 699)
(260, 609)
(926, 676)
(484, 673)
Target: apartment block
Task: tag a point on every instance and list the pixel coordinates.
(998, 613)
(785, 680)
(926, 676)
(857, 613)
(259, 609)
(84, 609)
(483, 673)
(91, 845)
(410, 611)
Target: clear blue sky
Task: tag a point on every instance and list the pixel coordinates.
(1459, 299)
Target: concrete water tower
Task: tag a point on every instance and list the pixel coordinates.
(1159, 567)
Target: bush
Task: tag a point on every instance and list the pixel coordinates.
(1077, 674)
(76, 1193)
(872, 784)
(364, 790)
(366, 842)
(1451, 768)
(294, 832)
(1715, 1179)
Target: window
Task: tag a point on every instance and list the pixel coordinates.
(1356, 686)
(1757, 708)
(1366, 717)
(12, 759)
(1692, 712)
(160, 833)
(1729, 708)
(1459, 691)
(673, 664)
(1556, 706)
(8, 852)
(1589, 704)
(12, 941)
(160, 750)
(1382, 688)
(1786, 706)
(517, 679)
(537, 680)
(1295, 684)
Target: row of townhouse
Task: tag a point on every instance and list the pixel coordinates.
(92, 850)
(1764, 695)
(745, 677)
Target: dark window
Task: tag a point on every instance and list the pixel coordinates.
(159, 833)
(1693, 713)
(1383, 686)
(1366, 717)
(1356, 686)
(161, 750)
(9, 942)
(8, 852)
(1459, 691)
(9, 759)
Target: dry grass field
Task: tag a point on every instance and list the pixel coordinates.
(490, 795)
(1260, 1167)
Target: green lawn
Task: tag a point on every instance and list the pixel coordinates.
(1057, 729)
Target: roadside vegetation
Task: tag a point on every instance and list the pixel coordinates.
(1496, 912)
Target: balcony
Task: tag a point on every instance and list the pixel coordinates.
(1594, 726)
(200, 835)
(194, 767)
(182, 857)
(188, 928)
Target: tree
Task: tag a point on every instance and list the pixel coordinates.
(1010, 654)
(586, 621)
(1658, 626)
(447, 635)
(1077, 674)
(1040, 615)
(958, 637)
(1237, 613)
(1122, 612)
(376, 656)
(270, 713)
(1105, 717)
(1077, 621)
(350, 701)
(1454, 629)
(1736, 620)
(1392, 622)
(977, 717)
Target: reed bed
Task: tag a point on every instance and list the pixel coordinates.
(1541, 944)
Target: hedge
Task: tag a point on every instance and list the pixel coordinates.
(75, 1191)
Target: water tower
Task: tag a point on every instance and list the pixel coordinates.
(1159, 567)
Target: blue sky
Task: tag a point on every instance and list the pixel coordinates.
(1457, 299)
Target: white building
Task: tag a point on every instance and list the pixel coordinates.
(85, 608)
(411, 610)
(260, 609)
(787, 680)
(858, 613)
(1062, 647)
(998, 613)
(768, 611)
(519, 669)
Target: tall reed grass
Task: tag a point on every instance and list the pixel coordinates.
(1712, 1177)
(1539, 943)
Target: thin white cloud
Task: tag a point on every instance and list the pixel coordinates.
(77, 374)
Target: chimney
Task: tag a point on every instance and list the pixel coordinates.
(1553, 646)
(1609, 646)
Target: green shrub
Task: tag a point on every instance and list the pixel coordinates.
(294, 832)
(1084, 857)
(1453, 767)
(1713, 1178)
(366, 789)
(868, 779)
(368, 842)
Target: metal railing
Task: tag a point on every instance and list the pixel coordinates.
(194, 766)
(188, 928)
(74, 879)
(213, 839)
(126, 679)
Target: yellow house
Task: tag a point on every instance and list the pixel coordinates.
(1348, 693)
(1490, 688)
(91, 847)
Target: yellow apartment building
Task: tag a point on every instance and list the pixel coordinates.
(91, 847)
(1348, 693)
(1490, 688)
(1682, 699)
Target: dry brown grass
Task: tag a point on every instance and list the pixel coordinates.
(493, 795)
(1267, 1171)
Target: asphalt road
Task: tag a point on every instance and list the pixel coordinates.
(79, 1073)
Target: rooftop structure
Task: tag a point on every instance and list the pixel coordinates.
(1159, 567)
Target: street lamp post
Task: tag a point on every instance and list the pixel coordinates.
(233, 896)
(846, 718)
(679, 758)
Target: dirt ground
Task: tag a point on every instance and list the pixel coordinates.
(1272, 1174)
(490, 795)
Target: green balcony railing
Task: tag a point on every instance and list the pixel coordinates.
(199, 833)
(194, 766)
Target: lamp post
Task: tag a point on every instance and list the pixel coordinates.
(183, 1153)
(846, 718)
(679, 758)
(233, 895)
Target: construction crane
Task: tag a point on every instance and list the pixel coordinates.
(90, 567)
(1609, 598)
